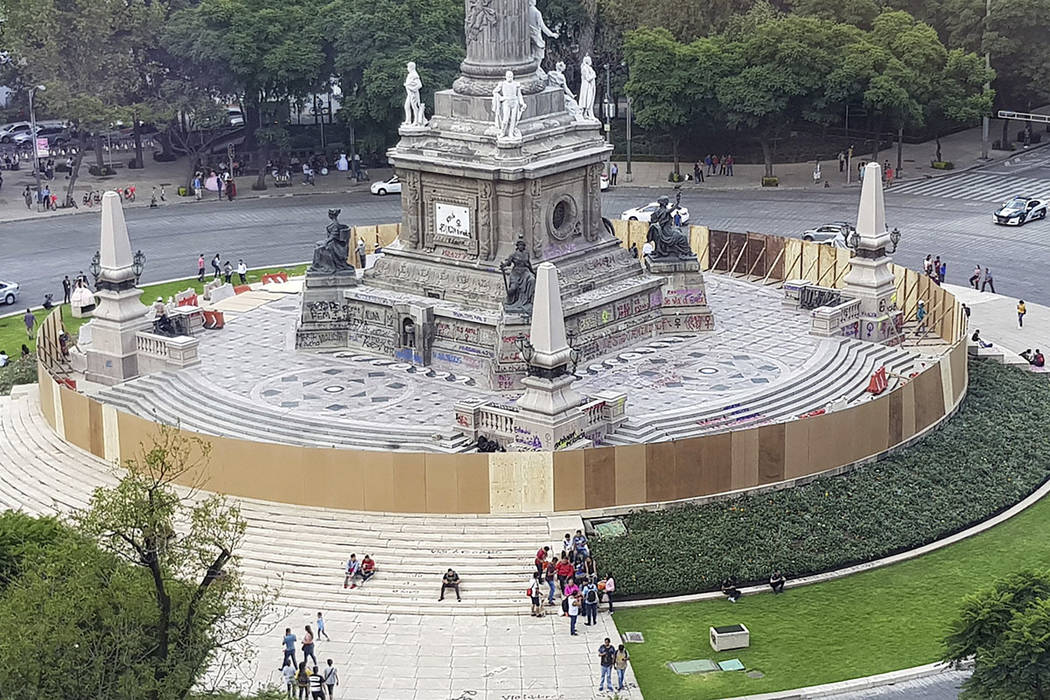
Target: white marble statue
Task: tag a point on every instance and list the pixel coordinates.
(556, 79)
(507, 104)
(413, 107)
(537, 30)
(587, 89)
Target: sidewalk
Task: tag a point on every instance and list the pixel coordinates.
(963, 149)
(169, 175)
(995, 316)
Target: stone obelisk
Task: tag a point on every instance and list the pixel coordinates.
(111, 353)
(550, 408)
(870, 278)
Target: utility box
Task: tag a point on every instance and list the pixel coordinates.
(730, 637)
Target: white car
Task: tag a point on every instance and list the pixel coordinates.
(603, 184)
(1018, 210)
(644, 213)
(833, 234)
(8, 292)
(393, 185)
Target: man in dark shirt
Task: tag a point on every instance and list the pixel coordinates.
(607, 655)
(450, 580)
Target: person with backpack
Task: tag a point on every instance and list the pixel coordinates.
(590, 603)
(620, 664)
(302, 680)
(533, 592)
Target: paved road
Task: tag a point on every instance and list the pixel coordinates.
(284, 229)
(1026, 174)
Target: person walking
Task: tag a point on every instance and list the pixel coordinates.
(308, 645)
(541, 559)
(620, 664)
(288, 672)
(200, 268)
(942, 271)
(730, 162)
(614, 170)
(27, 195)
(607, 657)
(331, 679)
(67, 289)
(302, 680)
(216, 266)
(320, 628)
(29, 320)
(920, 317)
(227, 271)
(316, 684)
(842, 161)
(242, 271)
(198, 186)
(975, 278)
(714, 164)
(988, 281)
(1021, 310)
(698, 173)
(722, 165)
(289, 646)
(550, 571)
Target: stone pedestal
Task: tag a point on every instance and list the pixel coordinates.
(323, 320)
(684, 307)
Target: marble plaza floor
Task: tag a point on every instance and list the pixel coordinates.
(677, 386)
(430, 657)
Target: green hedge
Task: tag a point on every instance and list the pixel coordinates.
(990, 455)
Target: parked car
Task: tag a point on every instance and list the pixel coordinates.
(1019, 210)
(603, 184)
(55, 135)
(645, 212)
(8, 292)
(235, 116)
(393, 185)
(13, 130)
(834, 234)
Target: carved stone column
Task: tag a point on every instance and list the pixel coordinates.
(486, 229)
(411, 199)
(497, 41)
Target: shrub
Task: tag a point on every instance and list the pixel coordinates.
(18, 372)
(942, 165)
(675, 177)
(770, 182)
(986, 458)
(101, 171)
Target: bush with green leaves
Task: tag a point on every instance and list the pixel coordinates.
(18, 372)
(990, 455)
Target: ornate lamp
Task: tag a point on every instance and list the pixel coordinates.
(895, 238)
(524, 347)
(96, 265)
(854, 240)
(138, 264)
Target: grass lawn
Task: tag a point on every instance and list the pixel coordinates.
(13, 331)
(869, 623)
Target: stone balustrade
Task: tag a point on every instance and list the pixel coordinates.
(158, 353)
(839, 320)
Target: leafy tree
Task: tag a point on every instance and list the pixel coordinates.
(186, 545)
(23, 538)
(777, 73)
(959, 95)
(666, 82)
(264, 50)
(859, 13)
(1006, 629)
(685, 21)
(89, 55)
(372, 40)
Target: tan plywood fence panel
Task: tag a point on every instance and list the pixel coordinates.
(595, 478)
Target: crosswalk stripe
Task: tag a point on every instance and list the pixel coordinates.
(977, 186)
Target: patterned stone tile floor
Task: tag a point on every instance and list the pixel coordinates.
(406, 657)
(756, 343)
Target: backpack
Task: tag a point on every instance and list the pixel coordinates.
(592, 595)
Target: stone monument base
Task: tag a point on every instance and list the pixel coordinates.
(684, 307)
(322, 322)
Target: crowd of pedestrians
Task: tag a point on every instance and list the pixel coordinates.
(713, 164)
(302, 680)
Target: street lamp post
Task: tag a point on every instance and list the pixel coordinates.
(630, 177)
(987, 86)
(607, 104)
(32, 131)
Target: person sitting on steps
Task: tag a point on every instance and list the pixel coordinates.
(450, 580)
(730, 590)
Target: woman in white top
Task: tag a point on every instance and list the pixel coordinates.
(610, 588)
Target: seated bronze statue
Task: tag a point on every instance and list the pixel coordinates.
(331, 255)
(669, 241)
